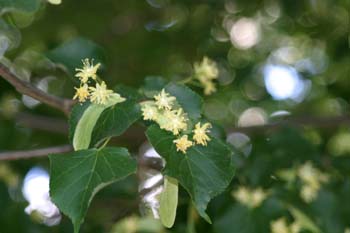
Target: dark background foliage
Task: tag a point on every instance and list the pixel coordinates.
(136, 39)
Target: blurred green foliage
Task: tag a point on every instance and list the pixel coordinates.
(136, 39)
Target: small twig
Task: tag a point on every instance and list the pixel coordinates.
(28, 89)
(26, 154)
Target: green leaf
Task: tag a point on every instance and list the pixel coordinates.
(87, 122)
(204, 172)
(153, 85)
(115, 120)
(168, 202)
(73, 51)
(189, 100)
(76, 177)
(128, 92)
(28, 6)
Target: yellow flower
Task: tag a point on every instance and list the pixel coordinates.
(164, 100)
(200, 133)
(149, 111)
(257, 197)
(209, 87)
(242, 195)
(82, 93)
(100, 94)
(279, 226)
(175, 121)
(250, 197)
(183, 143)
(308, 193)
(88, 70)
(295, 227)
(312, 178)
(206, 70)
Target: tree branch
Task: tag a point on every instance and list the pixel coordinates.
(296, 122)
(13, 155)
(28, 89)
(44, 123)
(136, 134)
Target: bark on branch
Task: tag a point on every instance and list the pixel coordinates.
(296, 122)
(26, 154)
(28, 89)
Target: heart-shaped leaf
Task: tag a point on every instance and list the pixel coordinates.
(115, 120)
(204, 171)
(189, 100)
(76, 177)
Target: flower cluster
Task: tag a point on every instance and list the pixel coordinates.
(281, 226)
(167, 113)
(311, 178)
(98, 94)
(205, 72)
(250, 197)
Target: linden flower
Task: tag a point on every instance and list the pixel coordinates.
(100, 94)
(183, 143)
(308, 193)
(164, 100)
(251, 198)
(257, 197)
(200, 133)
(242, 195)
(88, 70)
(312, 179)
(176, 121)
(82, 93)
(295, 227)
(209, 88)
(149, 112)
(206, 70)
(279, 226)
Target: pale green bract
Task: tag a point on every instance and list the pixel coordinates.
(87, 122)
(168, 202)
(304, 221)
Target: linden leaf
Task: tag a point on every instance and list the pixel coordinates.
(189, 100)
(76, 177)
(73, 51)
(115, 120)
(153, 85)
(204, 172)
(168, 202)
(87, 122)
